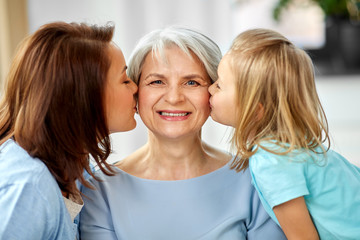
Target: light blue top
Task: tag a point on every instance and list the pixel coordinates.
(220, 205)
(331, 188)
(31, 203)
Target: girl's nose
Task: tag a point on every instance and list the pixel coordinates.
(211, 89)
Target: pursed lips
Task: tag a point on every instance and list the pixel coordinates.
(210, 104)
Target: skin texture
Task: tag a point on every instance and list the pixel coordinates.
(178, 87)
(119, 94)
(173, 102)
(295, 219)
(223, 95)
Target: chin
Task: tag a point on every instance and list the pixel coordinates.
(125, 127)
(132, 126)
(213, 117)
(220, 121)
(173, 135)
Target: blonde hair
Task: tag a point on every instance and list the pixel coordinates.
(277, 98)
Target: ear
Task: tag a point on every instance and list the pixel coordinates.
(259, 112)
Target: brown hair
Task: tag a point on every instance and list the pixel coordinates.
(53, 101)
(277, 79)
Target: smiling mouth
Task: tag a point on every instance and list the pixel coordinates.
(168, 114)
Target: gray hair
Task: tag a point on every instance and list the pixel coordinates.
(187, 40)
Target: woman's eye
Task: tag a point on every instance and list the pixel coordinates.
(156, 82)
(192, 83)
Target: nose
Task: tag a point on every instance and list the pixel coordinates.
(134, 86)
(211, 89)
(174, 95)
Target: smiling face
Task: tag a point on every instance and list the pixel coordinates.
(119, 94)
(223, 95)
(173, 97)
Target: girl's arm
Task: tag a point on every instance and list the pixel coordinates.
(295, 220)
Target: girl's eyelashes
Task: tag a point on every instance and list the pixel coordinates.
(217, 86)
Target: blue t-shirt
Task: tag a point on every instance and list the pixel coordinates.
(220, 205)
(329, 184)
(31, 203)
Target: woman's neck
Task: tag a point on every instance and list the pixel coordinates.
(165, 159)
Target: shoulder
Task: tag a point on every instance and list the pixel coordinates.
(13, 156)
(104, 183)
(26, 180)
(266, 165)
(133, 162)
(239, 181)
(31, 189)
(106, 193)
(279, 178)
(264, 160)
(258, 222)
(18, 168)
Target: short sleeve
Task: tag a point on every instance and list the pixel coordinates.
(95, 217)
(278, 178)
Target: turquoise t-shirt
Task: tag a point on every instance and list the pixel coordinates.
(221, 205)
(330, 186)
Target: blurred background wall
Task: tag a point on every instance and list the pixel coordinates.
(301, 21)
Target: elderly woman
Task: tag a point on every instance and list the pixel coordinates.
(176, 186)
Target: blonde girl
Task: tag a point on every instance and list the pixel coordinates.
(266, 91)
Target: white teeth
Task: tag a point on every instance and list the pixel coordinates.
(173, 114)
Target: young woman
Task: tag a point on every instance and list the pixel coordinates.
(266, 91)
(67, 90)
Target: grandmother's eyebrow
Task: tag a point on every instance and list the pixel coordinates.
(193, 76)
(189, 77)
(156, 75)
